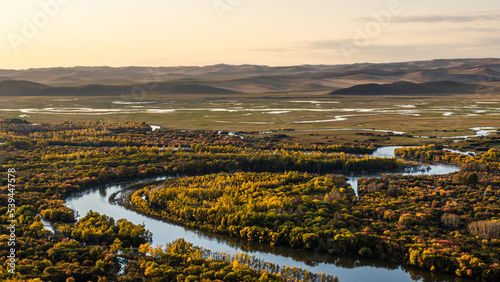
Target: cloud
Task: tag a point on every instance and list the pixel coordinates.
(490, 41)
(480, 43)
(478, 29)
(327, 44)
(461, 30)
(470, 36)
(270, 50)
(453, 18)
(441, 48)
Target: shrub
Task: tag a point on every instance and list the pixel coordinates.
(406, 219)
(365, 252)
(390, 215)
(393, 191)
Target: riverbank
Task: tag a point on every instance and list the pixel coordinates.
(321, 263)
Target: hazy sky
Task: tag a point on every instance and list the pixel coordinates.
(50, 33)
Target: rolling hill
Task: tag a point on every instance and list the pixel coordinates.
(21, 88)
(27, 88)
(230, 79)
(409, 88)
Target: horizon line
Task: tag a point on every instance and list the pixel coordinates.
(246, 64)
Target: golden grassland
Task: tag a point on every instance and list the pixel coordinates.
(440, 116)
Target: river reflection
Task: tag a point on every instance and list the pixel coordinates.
(388, 152)
(346, 268)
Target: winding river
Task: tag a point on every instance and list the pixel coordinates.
(388, 152)
(346, 268)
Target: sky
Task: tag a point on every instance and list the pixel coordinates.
(66, 33)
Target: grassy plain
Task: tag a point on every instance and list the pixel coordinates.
(440, 116)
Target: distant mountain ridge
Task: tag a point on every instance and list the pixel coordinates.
(409, 88)
(228, 79)
(20, 88)
(28, 88)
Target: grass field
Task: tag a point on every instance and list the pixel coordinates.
(442, 116)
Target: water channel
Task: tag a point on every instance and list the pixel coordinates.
(346, 268)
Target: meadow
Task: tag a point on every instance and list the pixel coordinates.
(442, 116)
